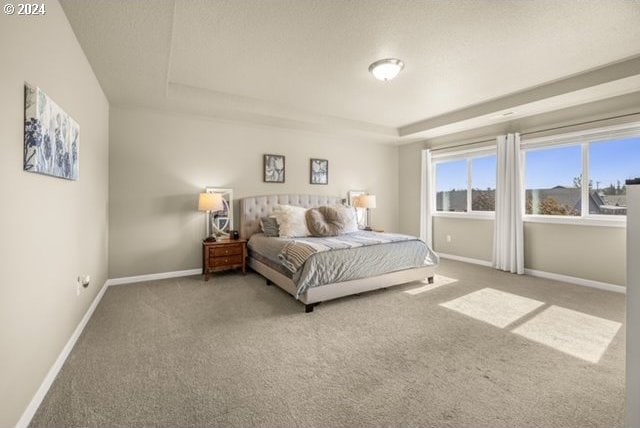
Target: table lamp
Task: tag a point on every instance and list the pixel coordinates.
(210, 202)
(367, 202)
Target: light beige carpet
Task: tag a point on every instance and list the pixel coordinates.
(234, 352)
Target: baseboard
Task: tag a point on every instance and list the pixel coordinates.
(547, 275)
(153, 277)
(31, 409)
(577, 281)
(465, 259)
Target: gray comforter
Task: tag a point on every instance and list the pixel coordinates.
(369, 254)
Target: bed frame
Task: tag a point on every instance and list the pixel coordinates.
(252, 209)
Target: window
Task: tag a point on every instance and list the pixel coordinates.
(610, 164)
(483, 181)
(581, 176)
(464, 183)
(553, 181)
(451, 186)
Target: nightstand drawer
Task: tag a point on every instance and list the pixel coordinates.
(225, 260)
(223, 254)
(227, 250)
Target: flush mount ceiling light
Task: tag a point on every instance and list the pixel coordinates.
(386, 69)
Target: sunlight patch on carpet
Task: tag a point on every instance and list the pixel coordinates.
(494, 307)
(574, 333)
(438, 281)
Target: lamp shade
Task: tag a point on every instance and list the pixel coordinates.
(210, 202)
(365, 201)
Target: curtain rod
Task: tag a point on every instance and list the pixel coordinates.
(538, 131)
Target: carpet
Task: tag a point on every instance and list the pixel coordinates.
(234, 352)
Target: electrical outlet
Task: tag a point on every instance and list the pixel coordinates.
(85, 280)
(82, 282)
(448, 238)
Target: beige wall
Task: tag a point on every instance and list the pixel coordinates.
(590, 252)
(633, 308)
(410, 171)
(160, 162)
(52, 229)
(471, 238)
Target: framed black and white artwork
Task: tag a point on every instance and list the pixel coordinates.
(319, 171)
(274, 169)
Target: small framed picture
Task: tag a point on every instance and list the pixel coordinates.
(273, 168)
(319, 171)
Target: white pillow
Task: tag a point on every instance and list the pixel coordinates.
(291, 221)
(350, 213)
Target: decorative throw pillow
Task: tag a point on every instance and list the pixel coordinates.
(348, 216)
(270, 227)
(291, 221)
(325, 221)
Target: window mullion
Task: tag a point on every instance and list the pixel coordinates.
(585, 180)
(469, 178)
(523, 184)
(434, 191)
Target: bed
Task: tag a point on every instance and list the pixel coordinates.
(390, 260)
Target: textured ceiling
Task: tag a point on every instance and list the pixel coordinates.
(305, 61)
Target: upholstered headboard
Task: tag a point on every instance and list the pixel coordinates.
(252, 209)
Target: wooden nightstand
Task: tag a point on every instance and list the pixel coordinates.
(223, 254)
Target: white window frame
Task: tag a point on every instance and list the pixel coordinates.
(468, 155)
(584, 139)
